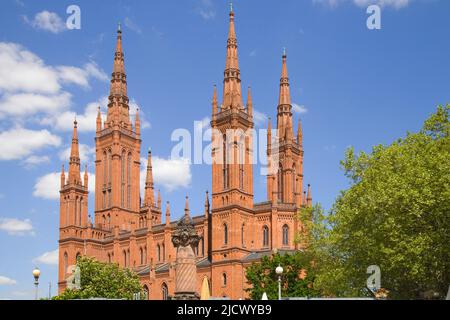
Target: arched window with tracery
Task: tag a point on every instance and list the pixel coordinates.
(285, 235)
(122, 178)
(165, 291)
(225, 234)
(146, 292)
(280, 183)
(265, 236)
(129, 182)
(65, 263)
(224, 279)
(225, 163)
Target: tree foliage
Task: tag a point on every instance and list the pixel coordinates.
(297, 278)
(396, 215)
(103, 280)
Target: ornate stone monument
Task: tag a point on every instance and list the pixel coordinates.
(184, 239)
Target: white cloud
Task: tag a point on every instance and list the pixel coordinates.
(47, 21)
(33, 161)
(22, 70)
(5, 281)
(300, 109)
(28, 86)
(93, 70)
(169, 173)
(48, 186)
(80, 76)
(397, 4)
(16, 227)
(86, 152)
(130, 24)
(87, 121)
(30, 103)
(19, 143)
(50, 258)
(206, 9)
(259, 117)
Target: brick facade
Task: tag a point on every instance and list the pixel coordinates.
(235, 230)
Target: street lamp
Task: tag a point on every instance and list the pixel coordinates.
(36, 274)
(279, 272)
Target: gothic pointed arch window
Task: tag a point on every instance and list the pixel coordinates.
(108, 220)
(122, 178)
(165, 291)
(125, 260)
(265, 236)
(241, 163)
(141, 255)
(65, 263)
(146, 292)
(294, 180)
(224, 279)
(225, 163)
(242, 235)
(76, 211)
(280, 183)
(158, 251)
(109, 165)
(225, 234)
(129, 182)
(285, 235)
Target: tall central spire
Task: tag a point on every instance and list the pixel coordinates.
(74, 162)
(284, 117)
(232, 93)
(118, 106)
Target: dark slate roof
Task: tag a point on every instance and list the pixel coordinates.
(203, 263)
(257, 255)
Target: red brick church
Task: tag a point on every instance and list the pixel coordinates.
(236, 231)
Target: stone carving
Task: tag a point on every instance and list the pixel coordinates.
(185, 239)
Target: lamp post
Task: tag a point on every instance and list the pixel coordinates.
(36, 274)
(279, 272)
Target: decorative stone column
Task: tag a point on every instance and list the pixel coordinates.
(184, 239)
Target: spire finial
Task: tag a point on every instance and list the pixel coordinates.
(119, 27)
(284, 51)
(231, 6)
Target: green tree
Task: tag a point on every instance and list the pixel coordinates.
(396, 215)
(297, 278)
(103, 280)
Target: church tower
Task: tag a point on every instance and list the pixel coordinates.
(285, 151)
(73, 211)
(118, 147)
(232, 172)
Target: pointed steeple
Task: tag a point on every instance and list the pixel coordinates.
(269, 137)
(118, 105)
(86, 177)
(215, 108)
(299, 133)
(207, 204)
(74, 163)
(284, 117)
(309, 197)
(137, 123)
(149, 198)
(304, 199)
(232, 92)
(186, 207)
(159, 198)
(167, 213)
(63, 177)
(99, 120)
(249, 102)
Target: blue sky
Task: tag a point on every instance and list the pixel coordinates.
(352, 85)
